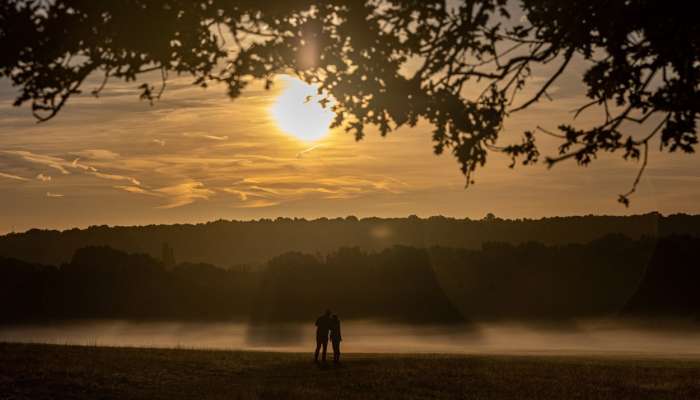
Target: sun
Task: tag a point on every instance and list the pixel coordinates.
(298, 112)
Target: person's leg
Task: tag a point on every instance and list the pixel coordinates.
(318, 348)
(336, 351)
(325, 348)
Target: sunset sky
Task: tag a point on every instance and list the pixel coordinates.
(197, 156)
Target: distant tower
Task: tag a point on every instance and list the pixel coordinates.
(168, 256)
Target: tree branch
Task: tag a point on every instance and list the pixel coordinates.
(567, 58)
(624, 198)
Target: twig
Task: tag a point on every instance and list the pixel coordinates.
(550, 133)
(624, 198)
(543, 89)
(97, 90)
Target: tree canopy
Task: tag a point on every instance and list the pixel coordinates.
(387, 63)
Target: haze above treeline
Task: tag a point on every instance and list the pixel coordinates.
(235, 243)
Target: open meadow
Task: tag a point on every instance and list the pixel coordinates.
(34, 371)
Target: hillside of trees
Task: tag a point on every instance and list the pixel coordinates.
(534, 281)
(671, 286)
(610, 276)
(229, 243)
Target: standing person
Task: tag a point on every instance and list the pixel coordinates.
(336, 338)
(323, 325)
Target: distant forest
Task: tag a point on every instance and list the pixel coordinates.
(610, 276)
(231, 243)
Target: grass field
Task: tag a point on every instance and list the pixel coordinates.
(31, 371)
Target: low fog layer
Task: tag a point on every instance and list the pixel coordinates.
(591, 337)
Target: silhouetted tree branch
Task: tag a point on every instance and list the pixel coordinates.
(387, 63)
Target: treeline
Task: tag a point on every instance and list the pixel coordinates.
(226, 243)
(101, 282)
(534, 281)
(396, 284)
(610, 276)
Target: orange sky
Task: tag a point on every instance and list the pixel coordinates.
(197, 156)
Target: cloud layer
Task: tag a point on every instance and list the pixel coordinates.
(197, 156)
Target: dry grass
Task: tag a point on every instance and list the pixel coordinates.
(75, 372)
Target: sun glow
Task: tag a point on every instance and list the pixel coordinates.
(298, 112)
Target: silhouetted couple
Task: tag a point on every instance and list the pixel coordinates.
(328, 325)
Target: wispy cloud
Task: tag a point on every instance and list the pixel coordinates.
(159, 142)
(213, 137)
(175, 195)
(115, 177)
(52, 162)
(306, 151)
(43, 178)
(204, 136)
(77, 164)
(261, 203)
(184, 193)
(53, 195)
(13, 177)
(270, 191)
(65, 166)
(97, 154)
(242, 195)
(134, 189)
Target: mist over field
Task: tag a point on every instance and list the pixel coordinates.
(676, 339)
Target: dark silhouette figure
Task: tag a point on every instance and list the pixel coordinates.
(336, 338)
(323, 326)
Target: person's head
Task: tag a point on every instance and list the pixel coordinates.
(328, 312)
(335, 316)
